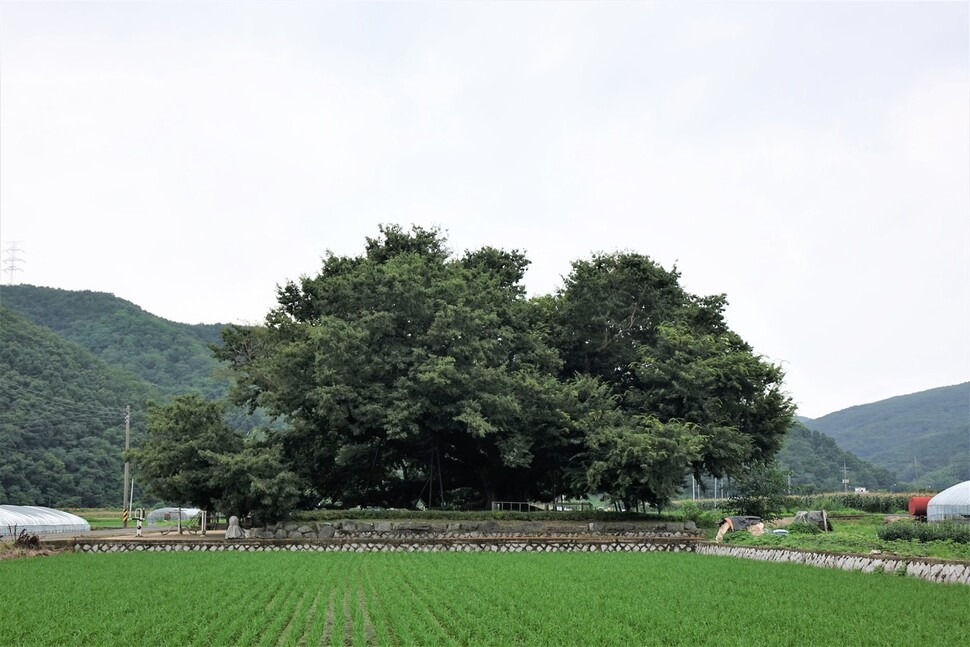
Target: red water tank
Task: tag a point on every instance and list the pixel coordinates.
(917, 505)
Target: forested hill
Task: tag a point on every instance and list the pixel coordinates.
(173, 356)
(927, 431)
(61, 418)
(815, 462)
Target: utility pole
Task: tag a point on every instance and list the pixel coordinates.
(845, 478)
(916, 470)
(124, 503)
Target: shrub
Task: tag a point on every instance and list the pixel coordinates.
(27, 540)
(760, 492)
(924, 532)
(690, 511)
(802, 528)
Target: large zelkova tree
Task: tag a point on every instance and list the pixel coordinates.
(405, 372)
(684, 391)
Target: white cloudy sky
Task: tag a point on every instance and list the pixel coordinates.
(811, 160)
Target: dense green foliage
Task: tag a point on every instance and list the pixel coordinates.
(759, 491)
(926, 432)
(464, 599)
(174, 357)
(479, 515)
(406, 373)
(61, 419)
(924, 532)
(815, 462)
(191, 456)
(882, 503)
(685, 392)
(870, 502)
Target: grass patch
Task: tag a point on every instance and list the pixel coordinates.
(860, 536)
(99, 517)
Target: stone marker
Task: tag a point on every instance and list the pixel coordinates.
(234, 531)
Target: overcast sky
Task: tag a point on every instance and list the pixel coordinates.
(810, 160)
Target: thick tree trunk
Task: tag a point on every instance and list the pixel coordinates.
(488, 487)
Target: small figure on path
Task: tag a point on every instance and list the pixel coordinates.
(234, 531)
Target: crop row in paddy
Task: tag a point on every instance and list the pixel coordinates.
(463, 599)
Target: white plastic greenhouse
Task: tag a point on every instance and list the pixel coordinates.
(37, 520)
(952, 503)
(171, 514)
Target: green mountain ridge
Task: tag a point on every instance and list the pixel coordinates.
(815, 462)
(923, 437)
(70, 363)
(175, 357)
(61, 418)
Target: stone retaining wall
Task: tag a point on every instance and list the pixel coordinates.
(927, 569)
(495, 545)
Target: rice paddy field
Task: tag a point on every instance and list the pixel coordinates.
(268, 599)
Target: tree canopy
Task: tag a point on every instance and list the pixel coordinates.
(409, 373)
(405, 374)
(190, 456)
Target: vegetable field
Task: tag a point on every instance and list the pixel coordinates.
(463, 599)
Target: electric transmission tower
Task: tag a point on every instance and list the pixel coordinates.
(10, 260)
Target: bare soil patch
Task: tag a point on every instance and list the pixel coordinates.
(8, 551)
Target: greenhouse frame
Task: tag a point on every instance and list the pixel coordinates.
(952, 504)
(37, 520)
(171, 514)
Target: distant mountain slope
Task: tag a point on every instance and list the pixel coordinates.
(173, 356)
(816, 461)
(61, 419)
(927, 431)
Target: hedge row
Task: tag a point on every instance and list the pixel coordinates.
(881, 503)
(453, 515)
(924, 532)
